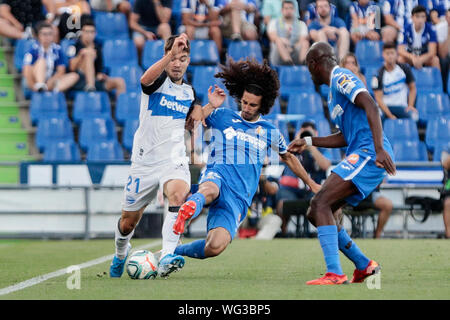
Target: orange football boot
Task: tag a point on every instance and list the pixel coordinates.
(329, 279)
(371, 269)
(186, 212)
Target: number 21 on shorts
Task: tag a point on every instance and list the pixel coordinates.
(132, 182)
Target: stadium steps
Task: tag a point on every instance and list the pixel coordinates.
(16, 133)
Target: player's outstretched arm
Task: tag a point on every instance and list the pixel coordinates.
(364, 101)
(215, 100)
(153, 73)
(294, 164)
(336, 140)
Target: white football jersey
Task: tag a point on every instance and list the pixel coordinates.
(160, 135)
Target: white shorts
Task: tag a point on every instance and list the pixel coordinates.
(144, 182)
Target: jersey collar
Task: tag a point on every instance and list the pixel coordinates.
(259, 118)
(331, 75)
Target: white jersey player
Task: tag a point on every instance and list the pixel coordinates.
(159, 155)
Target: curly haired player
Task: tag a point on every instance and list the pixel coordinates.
(241, 141)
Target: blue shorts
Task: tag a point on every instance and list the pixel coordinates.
(360, 168)
(227, 211)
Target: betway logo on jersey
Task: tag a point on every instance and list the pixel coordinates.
(230, 133)
(173, 105)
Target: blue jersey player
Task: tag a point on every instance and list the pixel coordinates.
(369, 158)
(241, 141)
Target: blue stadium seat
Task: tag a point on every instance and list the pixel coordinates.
(153, 51)
(438, 131)
(21, 47)
(432, 105)
(428, 79)
(91, 104)
(111, 25)
(119, 52)
(203, 78)
(47, 104)
(441, 146)
(96, 130)
(204, 52)
(369, 53)
(64, 151)
(130, 74)
(67, 46)
(410, 151)
(370, 72)
(294, 79)
(129, 129)
(245, 49)
(127, 106)
(276, 109)
(400, 129)
(306, 103)
(322, 125)
(283, 126)
(105, 151)
(53, 129)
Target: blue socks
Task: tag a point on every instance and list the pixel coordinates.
(194, 249)
(351, 250)
(200, 200)
(328, 238)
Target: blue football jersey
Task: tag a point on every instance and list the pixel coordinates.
(238, 149)
(351, 120)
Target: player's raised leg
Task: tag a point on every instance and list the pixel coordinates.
(176, 191)
(123, 233)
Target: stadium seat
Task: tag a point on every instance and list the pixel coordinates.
(111, 25)
(105, 151)
(410, 151)
(369, 53)
(130, 74)
(428, 79)
(153, 51)
(432, 105)
(21, 47)
(294, 79)
(67, 46)
(53, 129)
(62, 151)
(438, 131)
(306, 103)
(127, 107)
(370, 72)
(119, 52)
(203, 78)
(276, 109)
(96, 130)
(91, 104)
(7, 94)
(400, 129)
(441, 146)
(47, 104)
(245, 49)
(204, 52)
(128, 131)
(283, 126)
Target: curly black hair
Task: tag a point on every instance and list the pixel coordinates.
(253, 77)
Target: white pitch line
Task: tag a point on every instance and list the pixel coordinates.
(61, 272)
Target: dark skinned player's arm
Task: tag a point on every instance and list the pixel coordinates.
(336, 140)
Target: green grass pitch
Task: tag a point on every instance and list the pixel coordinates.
(248, 269)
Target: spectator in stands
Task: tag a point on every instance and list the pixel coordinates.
(393, 13)
(394, 86)
(385, 206)
(44, 64)
(271, 9)
(362, 13)
(261, 219)
(201, 20)
(238, 19)
(350, 62)
(315, 163)
(112, 6)
(86, 61)
(443, 37)
(70, 14)
(445, 194)
(150, 19)
(288, 36)
(18, 17)
(329, 28)
(419, 47)
(311, 12)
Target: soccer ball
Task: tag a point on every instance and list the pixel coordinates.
(142, 264)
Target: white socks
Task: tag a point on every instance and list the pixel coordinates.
(169, 238)
(121, 242)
